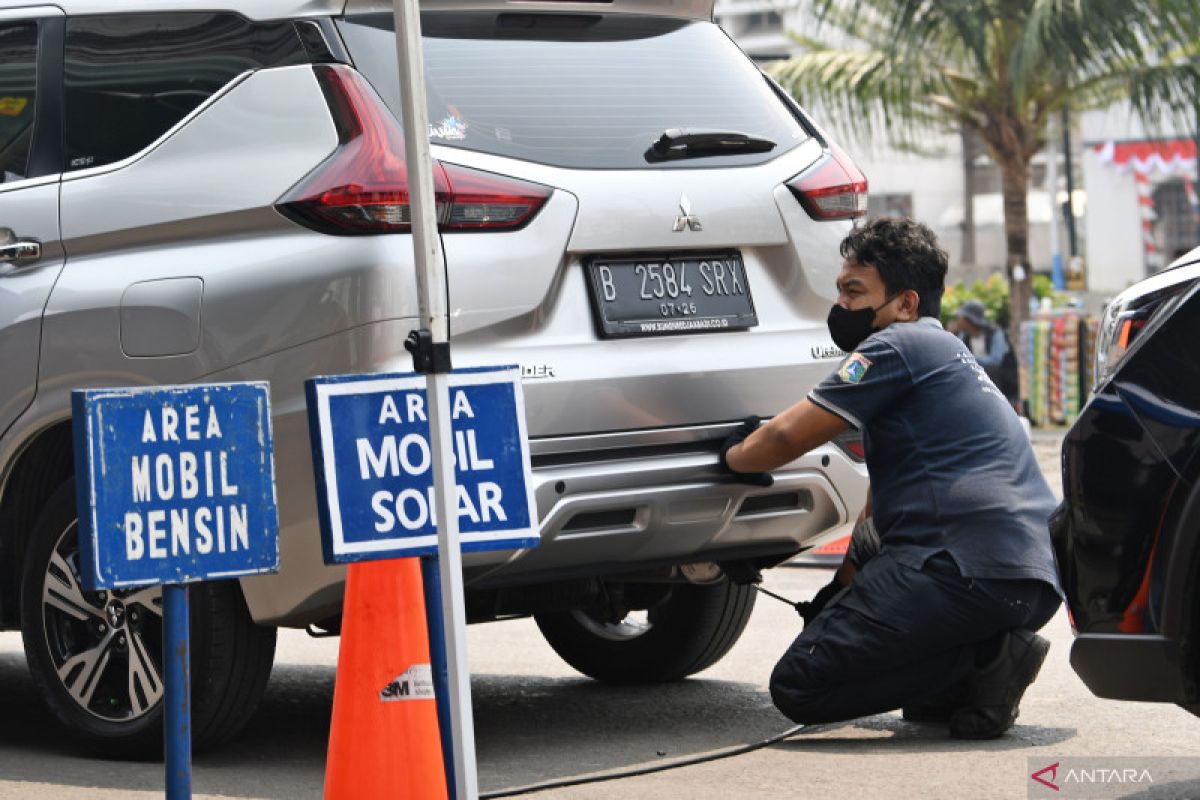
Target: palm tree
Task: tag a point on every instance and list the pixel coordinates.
(1000, 69)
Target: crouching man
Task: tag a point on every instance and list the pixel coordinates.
(939, 617)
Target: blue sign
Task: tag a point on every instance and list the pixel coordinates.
(374, 465)
(176, 484)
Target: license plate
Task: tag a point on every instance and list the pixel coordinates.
(652, 296)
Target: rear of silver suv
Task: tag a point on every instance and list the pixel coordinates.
(629, 210)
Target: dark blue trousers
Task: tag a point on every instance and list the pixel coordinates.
(898, 635)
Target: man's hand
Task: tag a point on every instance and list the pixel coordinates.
(782, 440)
(809, 610)
(748, 426)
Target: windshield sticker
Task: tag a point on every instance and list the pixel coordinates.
(854, 368)
(452, 127)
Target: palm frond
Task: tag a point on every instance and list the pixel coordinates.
(864, 87)
(1164, 94)
(996, 63)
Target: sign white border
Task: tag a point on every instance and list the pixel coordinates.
(397, 545)
(92, 451)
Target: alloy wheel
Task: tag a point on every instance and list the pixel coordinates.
(106, 646)
(633, 625)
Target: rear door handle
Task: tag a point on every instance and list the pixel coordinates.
(20, 251)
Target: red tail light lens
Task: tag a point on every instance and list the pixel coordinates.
(833, 188)
(362, 188)
(851, 444)
(484, 201)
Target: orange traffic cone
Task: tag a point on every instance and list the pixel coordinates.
(383, 739)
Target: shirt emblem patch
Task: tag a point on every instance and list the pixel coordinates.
(854, 368)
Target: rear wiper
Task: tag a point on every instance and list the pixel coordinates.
(682, 143)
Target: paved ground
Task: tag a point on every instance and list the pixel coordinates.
(537, 720)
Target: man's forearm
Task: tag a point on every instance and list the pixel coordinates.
(785, 438)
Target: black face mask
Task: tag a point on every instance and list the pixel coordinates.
(848, 328)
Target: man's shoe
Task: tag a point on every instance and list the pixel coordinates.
(994, 691)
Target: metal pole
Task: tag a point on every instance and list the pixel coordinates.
(431, 294)
(177, 711)
(1069, 210)
(1056, 259)
(437, 662)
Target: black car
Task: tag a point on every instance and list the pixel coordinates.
(1127, 536)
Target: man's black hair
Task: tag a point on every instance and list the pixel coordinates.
(906, 255)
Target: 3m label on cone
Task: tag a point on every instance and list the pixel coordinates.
(415, 683)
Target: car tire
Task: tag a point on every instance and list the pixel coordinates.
(692, 629)
(96, 657)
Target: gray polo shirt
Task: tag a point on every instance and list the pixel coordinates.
(951, 466)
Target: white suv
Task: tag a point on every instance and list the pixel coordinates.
(210, 191)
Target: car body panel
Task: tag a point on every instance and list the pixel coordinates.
(290, 9)
(251, 9)
(1126, 535)
(28, 211)
(545, 323)
(213, 283)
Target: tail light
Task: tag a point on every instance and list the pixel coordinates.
(362, 188)
(485, 201)
(850, 442)
(1125, 317)
(833, 188)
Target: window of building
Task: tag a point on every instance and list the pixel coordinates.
(762, 22)
(1175, 228)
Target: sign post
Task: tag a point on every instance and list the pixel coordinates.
(177, 680)
(430, 346)
(177, 485)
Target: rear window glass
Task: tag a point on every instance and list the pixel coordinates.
(579, 90)
(131, 77)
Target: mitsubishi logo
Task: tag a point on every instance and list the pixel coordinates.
(686, 219)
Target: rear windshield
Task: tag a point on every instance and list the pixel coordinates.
(575, 90)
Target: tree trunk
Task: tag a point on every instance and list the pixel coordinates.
(1014, 179)
(969, 148)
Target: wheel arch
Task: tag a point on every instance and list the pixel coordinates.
(40, 467)
(1181, 600)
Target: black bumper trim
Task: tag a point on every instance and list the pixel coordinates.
(1132, 667)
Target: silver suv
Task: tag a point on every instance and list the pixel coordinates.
(629, 210)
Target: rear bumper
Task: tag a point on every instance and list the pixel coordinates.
(609, 504)
(606, 517)
(1133, 667)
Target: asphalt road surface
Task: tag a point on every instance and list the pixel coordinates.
(537, 720)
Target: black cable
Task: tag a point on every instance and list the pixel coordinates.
(632, 773)
(769, 593)
(687, 762)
